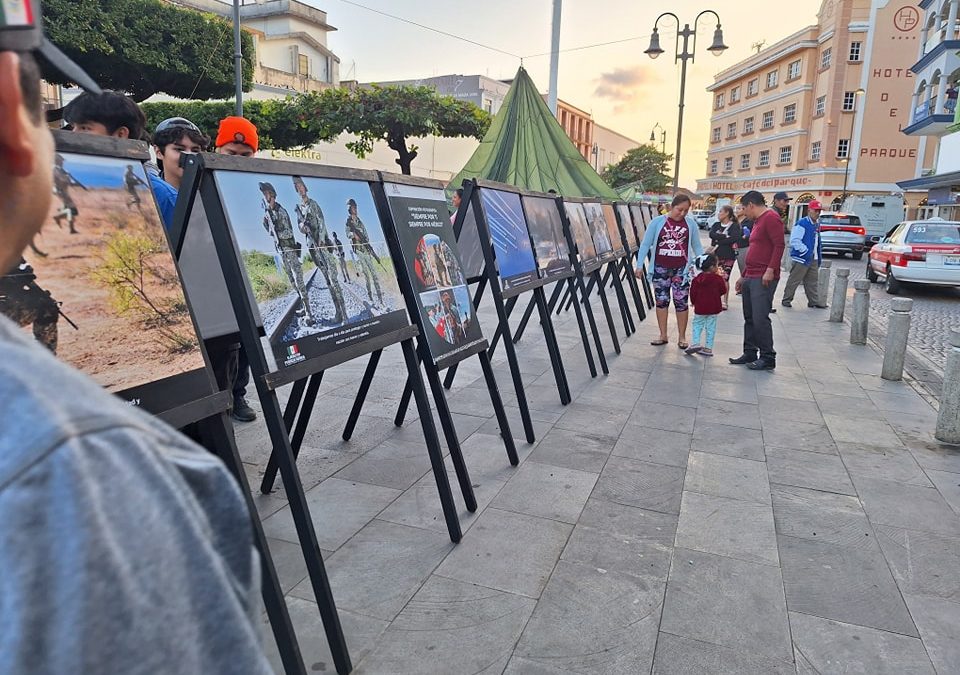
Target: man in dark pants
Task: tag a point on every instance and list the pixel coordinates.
(759, 282)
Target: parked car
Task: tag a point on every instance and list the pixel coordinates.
(842, 233)
(702, 216)
(917, 252)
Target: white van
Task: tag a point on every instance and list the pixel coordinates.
(877, 213)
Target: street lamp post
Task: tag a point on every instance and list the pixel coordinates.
(663, 137)
(687, 54)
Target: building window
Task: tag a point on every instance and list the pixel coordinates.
(748, 126)
(731, 130)
(767, 122)
(790, 113)
(793, 70)
(713, 167)
(727, 164)
(745, 161)
(719, 101)
(820, 106)
(855, 50)
(826, 56)
(849, 101)
(303, 65)
(735, 94)
(772, 78)
(715, 138)
(763, 160)
(488, 105)
(753, 86)
(843, 148)
(815, 151)
(786, 154)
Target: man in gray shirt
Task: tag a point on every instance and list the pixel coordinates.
(124, 547)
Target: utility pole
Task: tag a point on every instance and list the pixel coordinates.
(554, 57)
(237, 58)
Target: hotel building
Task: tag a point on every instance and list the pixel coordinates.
(821, 109)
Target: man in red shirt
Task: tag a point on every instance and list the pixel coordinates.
(759, 282)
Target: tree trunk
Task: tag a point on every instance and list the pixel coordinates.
(405, 156)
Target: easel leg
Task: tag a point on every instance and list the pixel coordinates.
(505, 432)
(404, 403)
(219, 439)
(305, 530)
(594, 278)
(433, 446)
(361, 394)
(515, 373)
(563, 301)
(634, 289)
(628, 326)
(527, 313)
(556, 362)
(588, 309)
(289, 415)
(606, 311)
(498, 333)
(306, 410)
(583, 331)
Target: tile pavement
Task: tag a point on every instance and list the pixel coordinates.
(679, 516)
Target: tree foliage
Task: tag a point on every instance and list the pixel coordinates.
(145, 47)
(644, 164)
(392, 115)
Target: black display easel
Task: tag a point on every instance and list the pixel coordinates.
(505, 301)
(432, 366)
(305, 376)
(625, 271)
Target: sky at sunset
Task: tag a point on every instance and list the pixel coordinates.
(623, 88)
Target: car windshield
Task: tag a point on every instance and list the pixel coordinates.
(934, 233)
(853, 221)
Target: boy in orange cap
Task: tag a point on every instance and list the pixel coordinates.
(237, 136)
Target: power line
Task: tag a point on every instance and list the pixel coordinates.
(432, 29)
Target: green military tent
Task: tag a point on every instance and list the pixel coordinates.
(526, 147)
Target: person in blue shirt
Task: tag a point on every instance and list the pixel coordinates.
(113, 114)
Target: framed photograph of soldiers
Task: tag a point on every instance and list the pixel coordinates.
(98, 286)
(597, 224)
(546, 232)
(626, 224)
(315, 257)
(613, 230)
(582, 237)
(510, 239)
(435, 269)
(638, 212)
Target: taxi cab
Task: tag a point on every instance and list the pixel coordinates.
(917, 252)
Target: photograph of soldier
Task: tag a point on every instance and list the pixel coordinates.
(613, 229)
(546, 230)
(63, 180)
(23, 301)
(342, 256)
(423, 269)
(276, 221)
(598, 229)
(581, 233)
(446, 316)
(106, 298)
(365, 255)
(132, 181)
(307, 258)
(435, 264)
(322, 249)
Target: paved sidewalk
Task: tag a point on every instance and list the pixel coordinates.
(682, 515)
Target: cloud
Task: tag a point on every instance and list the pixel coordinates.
(624, 85)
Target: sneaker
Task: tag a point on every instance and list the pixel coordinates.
(693, 349)
(742, 360)
(760, 364)
(242, 412)
(706, 351)
(787, 303)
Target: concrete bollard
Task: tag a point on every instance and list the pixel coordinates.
(948, 420)
(861, 312)
(895, 349)
(823, 282)
(839, 294)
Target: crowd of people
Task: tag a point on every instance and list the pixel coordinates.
(750, 236)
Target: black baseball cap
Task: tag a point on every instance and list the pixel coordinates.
(781, 195)
(21, 30)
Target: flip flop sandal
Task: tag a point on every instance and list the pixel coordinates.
(658, 343)
(683, 345)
